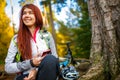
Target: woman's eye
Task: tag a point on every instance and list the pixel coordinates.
(24, 13)
(31, 12)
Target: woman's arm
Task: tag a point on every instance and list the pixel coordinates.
(10, 65)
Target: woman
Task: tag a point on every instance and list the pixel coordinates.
(25, 54)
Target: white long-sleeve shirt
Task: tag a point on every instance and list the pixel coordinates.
(40, 45)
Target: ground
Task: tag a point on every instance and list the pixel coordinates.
(4, 75)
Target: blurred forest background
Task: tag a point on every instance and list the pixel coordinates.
(102, 48)
(76, 29)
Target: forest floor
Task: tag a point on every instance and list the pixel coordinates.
(4, 75)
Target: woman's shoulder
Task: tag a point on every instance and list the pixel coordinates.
(15, 38)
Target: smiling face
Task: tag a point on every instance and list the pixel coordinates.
(28, 17)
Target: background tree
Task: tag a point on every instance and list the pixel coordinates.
(78, 28)
(105, 50)
(63, 36)
(6, 32)
(82, 30)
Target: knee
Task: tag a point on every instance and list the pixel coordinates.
(50, 60)
(50, 57)
(49, 63)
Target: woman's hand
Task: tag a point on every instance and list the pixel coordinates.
(32, 75)
(37, 60)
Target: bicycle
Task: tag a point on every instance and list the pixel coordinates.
(68, 70)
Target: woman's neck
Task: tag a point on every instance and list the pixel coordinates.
(32, 29)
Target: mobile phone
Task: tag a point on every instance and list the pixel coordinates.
(46, 52)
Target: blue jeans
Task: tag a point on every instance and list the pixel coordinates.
(48, 69)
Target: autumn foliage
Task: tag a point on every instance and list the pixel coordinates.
(6, 32)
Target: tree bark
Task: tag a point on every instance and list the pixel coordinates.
(105, 43)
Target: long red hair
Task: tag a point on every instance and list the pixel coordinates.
(24, 35)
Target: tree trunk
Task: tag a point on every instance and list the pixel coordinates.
(52, 24)
(51, 21)
(105, 43)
